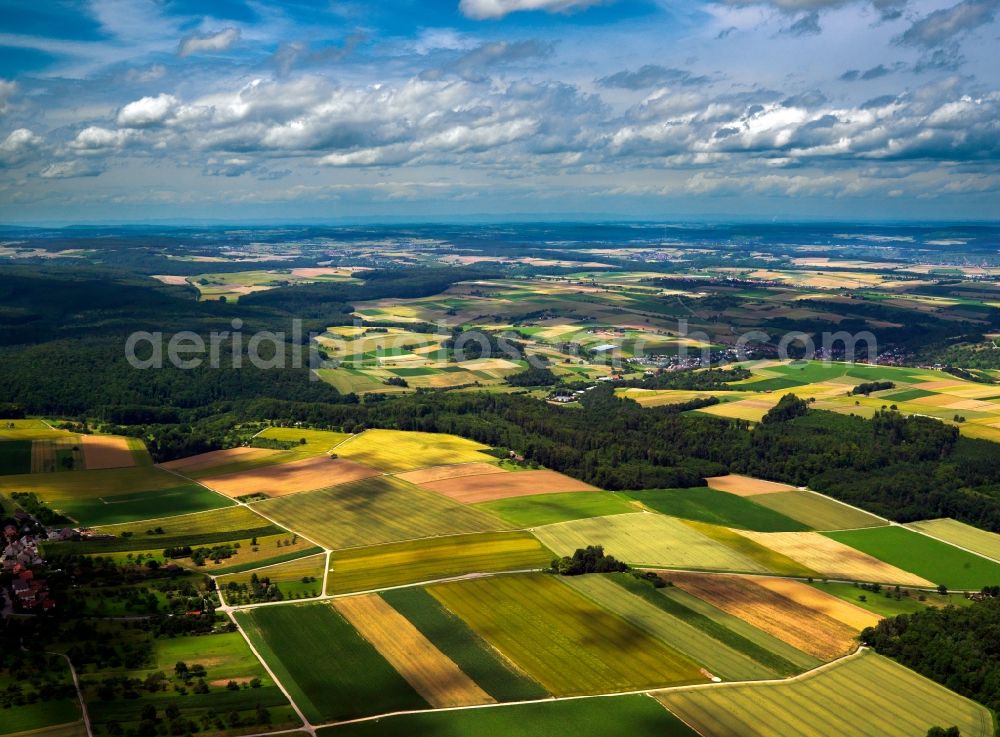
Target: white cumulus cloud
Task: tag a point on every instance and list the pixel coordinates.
(493, 9)
(147, 111)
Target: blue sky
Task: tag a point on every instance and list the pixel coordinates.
(136, 110)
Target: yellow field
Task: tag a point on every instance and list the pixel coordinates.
(833, 559)
(317, 441)
(397, 450)
(91, 484)
(745, 485)
(432, 674)
(644, 538)
(863, 696)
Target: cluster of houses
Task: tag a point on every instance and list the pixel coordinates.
(20, 555)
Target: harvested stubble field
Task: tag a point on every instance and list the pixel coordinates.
(817, 600)
(308, 474)
(216, 461)
(106, 451)
(705, 651)
(494, 673)
(745, 485)
(375, 511)
(504, 485)
(817, 511)
(331, 672)
(810, 631)
(250, 555)
(832, 559)
(564, 641)
(937, 561)
(962, 535)
(397, 450)
(50, 455)
(834, 700)
(432, 674)
(397, 564)
(620, 715)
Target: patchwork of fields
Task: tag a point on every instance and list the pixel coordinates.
(388, 518)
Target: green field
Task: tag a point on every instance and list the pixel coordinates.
(482, 663)
(547, 509)
(36, 716)
(717, 508)
(375, 511)
(704, 650)
(54, 487)
(143, 505)
(858, 697)
(396, 564)
(934, 560)
(330, 670)
(70, 729)
(395, 450)
(646, 538)
(815, 511)
(15, 457)
(962, 535)
(619, 715)
(564, 641)
(317, 441)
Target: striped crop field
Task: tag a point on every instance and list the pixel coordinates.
(396, 564)
(704, 650)
(563, 640)
(817, 511)
(857, 697)
(375, 511)
(962, 535)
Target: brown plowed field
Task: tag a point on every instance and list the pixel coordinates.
(488, 487)
(290, 478)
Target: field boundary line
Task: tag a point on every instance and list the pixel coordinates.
(269, 565)
(306, 725)
(79, 693)
(329, 597)
(849, 506)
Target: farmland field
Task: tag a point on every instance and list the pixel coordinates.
(307, 474)
(494, 673)
(718, 508)
(885, 603)
(746, 486)
(931, 559)
(70, 729)
(287, 576)
(344, 677)
(840, 699)
(816, 511)
(816, 600)
(454, 471)
(504, 485)
(833, 559)
(646, 538)
(395, 564)
(106, 451)
(431, 673)
(375, 511)
(625, 715)
(547, 509)
(210, 463)
(40, 718)
(395, 450)
(705, 651)
(121, 508)
(806, 629)
(568, 644)
(963, 535)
